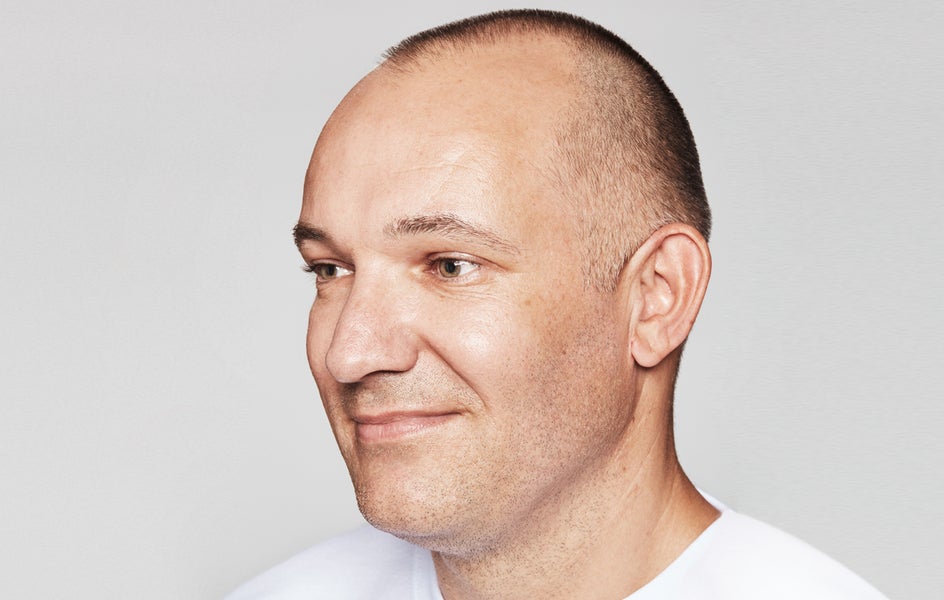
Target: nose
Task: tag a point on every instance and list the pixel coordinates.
(373, 334)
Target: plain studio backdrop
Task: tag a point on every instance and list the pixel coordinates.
(161, 436)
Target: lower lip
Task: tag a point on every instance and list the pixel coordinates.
(399, 428)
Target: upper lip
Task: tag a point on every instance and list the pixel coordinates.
(398, 415)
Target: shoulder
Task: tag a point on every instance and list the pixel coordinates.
(741, 557)
(365, 563)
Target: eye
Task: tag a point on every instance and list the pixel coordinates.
(452, 268)
(327, 271)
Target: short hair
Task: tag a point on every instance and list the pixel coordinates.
(626, 158)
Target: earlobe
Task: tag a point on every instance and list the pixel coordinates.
(671, 271)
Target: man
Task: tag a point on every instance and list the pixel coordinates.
(507, 228)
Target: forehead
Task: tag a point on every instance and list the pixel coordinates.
(454, 134)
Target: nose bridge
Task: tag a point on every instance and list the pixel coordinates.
(373, 332)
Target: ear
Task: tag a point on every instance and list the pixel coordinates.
(668, 277)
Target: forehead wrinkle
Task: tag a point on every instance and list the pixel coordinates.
(448, 225)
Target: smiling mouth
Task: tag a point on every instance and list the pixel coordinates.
(388, 427)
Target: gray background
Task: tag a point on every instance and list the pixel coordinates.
(160, 435)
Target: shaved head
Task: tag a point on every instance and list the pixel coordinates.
(624, 155)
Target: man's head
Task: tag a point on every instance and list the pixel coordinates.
(503, 220)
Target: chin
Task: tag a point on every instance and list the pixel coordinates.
(436, 522)
(403, 509)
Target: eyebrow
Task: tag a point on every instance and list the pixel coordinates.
(445, 224)
(303, 231)
(449, 226)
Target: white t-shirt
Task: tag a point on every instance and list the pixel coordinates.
(735, 558)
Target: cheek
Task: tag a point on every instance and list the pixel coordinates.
(320, 331)
(483, 343)
(321, 323)
(513, 348)
(551, 355)
(316, 341)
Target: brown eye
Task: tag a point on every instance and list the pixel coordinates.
(450, 268)
(325, 271)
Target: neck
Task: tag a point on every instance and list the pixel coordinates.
(605, 536)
